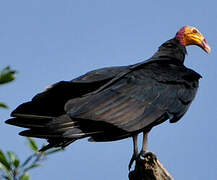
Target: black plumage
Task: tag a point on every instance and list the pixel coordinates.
(112, 103)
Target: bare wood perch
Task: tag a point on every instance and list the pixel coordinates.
(149, 168)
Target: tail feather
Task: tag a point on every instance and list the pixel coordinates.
(39, 134)
(59, 131)
(43, 115)
(28, 123)
(57, 143)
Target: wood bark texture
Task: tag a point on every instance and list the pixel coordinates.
(149, 168)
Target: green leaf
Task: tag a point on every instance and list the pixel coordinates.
(32, 144)
(11, 156)
(4, 161)
(2, 105)
(13, 159)
(5, 172)
(16, 163)
(7, 75)
(25, 176)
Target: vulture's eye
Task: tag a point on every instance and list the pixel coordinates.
(195, 31)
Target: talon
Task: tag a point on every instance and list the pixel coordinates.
(133, 158)
(143, 154)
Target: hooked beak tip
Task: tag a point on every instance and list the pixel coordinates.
(206, 46)
(208, 49)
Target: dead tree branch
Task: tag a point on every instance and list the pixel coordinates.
(149, 168)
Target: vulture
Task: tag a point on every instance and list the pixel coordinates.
(118, 102)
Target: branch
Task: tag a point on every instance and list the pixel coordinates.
(149, 168)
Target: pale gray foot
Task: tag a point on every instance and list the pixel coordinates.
(144, 149)
(135, 151)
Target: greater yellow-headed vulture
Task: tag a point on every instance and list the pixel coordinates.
(116, 102)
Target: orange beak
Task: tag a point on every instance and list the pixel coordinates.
(193, 37)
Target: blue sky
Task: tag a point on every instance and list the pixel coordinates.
(50, 41)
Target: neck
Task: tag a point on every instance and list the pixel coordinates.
(172, 50)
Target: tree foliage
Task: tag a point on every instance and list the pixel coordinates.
(6, 75)
(11, 167)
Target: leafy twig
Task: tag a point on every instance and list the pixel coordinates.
(11, 167)
(6, 75)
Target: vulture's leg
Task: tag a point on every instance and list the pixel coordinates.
(144, 149)
(135, 151)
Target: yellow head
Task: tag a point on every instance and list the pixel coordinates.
(191, 36)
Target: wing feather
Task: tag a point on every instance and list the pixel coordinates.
(127, 105)
(108, 104)
(137, 101)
